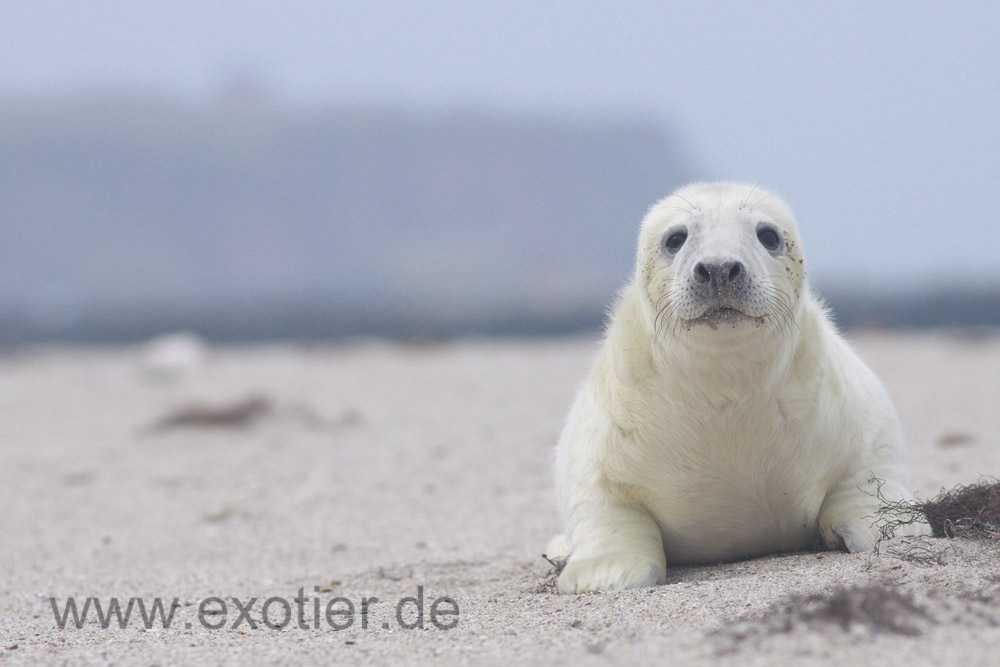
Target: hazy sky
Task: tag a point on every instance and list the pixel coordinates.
(879, 122)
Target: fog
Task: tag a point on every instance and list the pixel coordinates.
(197, 153)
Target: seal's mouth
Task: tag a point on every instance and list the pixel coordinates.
(724, 312)
(713, 317)
(720, 314)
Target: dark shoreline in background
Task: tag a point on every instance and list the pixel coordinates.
(315, 319)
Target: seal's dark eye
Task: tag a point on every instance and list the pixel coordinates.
(769, 237)
(673, 241)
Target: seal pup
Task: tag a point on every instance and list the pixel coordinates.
(725, 417)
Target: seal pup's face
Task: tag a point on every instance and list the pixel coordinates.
(720, 256)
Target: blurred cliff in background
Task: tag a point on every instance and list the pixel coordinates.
(125, 217)
(129, 216)
(261, 169)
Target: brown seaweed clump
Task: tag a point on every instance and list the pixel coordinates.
(877, 608)
(971, 511)
(872, 609)
(232, 415)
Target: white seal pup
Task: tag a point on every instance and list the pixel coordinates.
(725, 417)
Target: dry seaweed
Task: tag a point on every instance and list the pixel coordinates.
(920, 551)
(877, 608)
(970, 511)
(873, 609)
(233, 415)
(550, 582)
(955, 439)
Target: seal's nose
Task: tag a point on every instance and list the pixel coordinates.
(720, 275)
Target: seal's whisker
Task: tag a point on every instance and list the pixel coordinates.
(752, 208)
(663, 318)
(781, 305)
(686, 200)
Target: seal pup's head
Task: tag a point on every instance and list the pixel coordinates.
(720, 259)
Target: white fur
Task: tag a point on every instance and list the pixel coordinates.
(694, 442)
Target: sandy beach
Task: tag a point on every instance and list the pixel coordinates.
(299, 482)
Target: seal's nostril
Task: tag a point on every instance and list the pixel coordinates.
(720, 274)
(701, 273)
